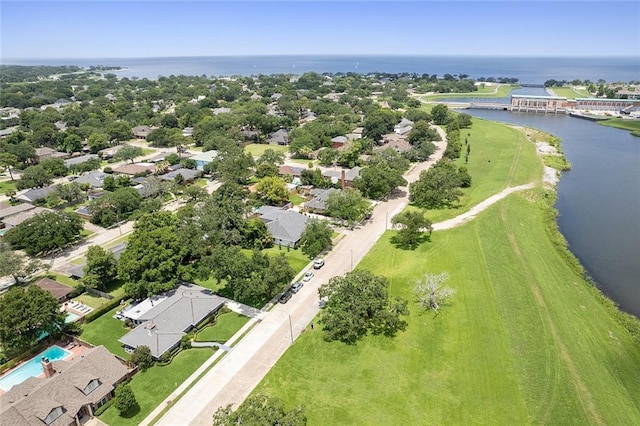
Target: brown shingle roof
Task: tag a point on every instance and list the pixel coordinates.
(57, 290)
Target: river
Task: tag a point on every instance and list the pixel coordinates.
(598, 200)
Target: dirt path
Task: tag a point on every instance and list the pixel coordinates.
(467, 216)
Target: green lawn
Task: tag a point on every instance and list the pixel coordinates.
(633, 125)
(62, 279)
(151, 387)
(257, 149)
(501, 156)
(570, 92)
(296, 199)
(296, 258)
(225, 327)
(524, 341)
(7, 185)
(106, 331)
(483, 92)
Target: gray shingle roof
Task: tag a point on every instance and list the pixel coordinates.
(166, 323)
(10, 211)
(95, 179)
(79, 160)
(36, 193)
(285, 225)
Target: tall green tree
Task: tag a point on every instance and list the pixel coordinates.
(316, 238)
(16, 265)
(358, 303)
(437, 187)
(260, 410)
(149, 264)
(348, 205)
(125, 399)
(440, 114)
(128, 152)
(413, 225)
(25, 315)
(7, 162)
(34, 177)
(101, 268)
(45, 232)
(273, 190)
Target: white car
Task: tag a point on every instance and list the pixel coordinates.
(318, 263)
(307, 276)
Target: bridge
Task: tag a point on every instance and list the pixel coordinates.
(478, 105)
(540, 86)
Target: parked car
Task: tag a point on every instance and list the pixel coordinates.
(318, 263)
(285, 297)
(307, 276)
(297, 286)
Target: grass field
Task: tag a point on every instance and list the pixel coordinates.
(7, 185)
(225, 327)
(501, 156)
(257, 149)
(570, 92)
(524, 340)
(154, 385)
(106, 331)
(483, 92)
(633, 125)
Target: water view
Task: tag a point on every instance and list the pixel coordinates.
(32, 368)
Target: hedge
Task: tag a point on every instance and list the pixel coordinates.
(93, 315)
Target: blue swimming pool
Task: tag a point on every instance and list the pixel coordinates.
(71, 317)
(32, 368)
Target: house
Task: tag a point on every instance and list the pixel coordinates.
(344, 176)
(59, 291)
(403, 127)
(45, 152)
(9, 211)
(294, 171)
(6, 132)
(36, 194)
(338, 142)
(141, 132)
(395, 141)
(281, 137)
(318, 202)
(79, 160)
(255, 97)
(187, 132)
(187, 174)
(93, 179)
(286, 226)
(163, 319)
(17, 219)
(135, 169)
(110, 152)
(204, 158)
(221, 110)
(276, 96)
(68, 394)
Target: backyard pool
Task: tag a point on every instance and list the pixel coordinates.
(32, 368)
(71, 317)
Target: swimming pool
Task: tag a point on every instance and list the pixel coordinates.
(71, 317)
(32, 368)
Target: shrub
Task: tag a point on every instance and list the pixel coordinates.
(107, 170)
(104, 407)
(141, 357)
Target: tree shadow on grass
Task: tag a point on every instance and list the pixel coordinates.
(400, 243)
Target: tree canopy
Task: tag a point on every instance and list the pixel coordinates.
(348, 205)
(101, 268)
(412, 226)
(437, 187)
(259, 410)
(25, 315)
(358, 303)
(45, 232)
(316, 238)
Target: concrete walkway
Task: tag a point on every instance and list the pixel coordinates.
(232, 379)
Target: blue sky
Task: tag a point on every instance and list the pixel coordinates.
(120, 29)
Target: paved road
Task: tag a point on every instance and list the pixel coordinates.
(237, 374)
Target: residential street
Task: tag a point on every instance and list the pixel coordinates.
(237, 374)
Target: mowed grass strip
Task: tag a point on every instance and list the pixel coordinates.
(257, 149)
(524, 340)
(500, 156)
(151, 387)
(570, 92)
(106, 331)
(225, 327)
(483, 92)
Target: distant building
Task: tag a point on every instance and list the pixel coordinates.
(79, 160)
(281, 137)
(36, 194)
(204, 158)
(134, 169)
(59, 291)
(286, 226)
(141, 132)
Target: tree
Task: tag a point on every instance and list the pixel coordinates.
(34, 177)
(273, 190)
(149, 264)
(54, 166)
(328, 156)
(257, 410)
(45, 232)
(277, 274)
(101, 268)
(412, 225)
(436, 187)
(128, 152)
(232, 164)
(440, 114)
(315, 238)
(125, 399)
(97, 141)
(378, 123)
(431, 292)
(271, 156)
(256, 234)
(16, 265)
(422, 132)
(25, 315)
(7, 161)
(142, 357)
(358, 303)
(222, 215)
(378, 182)
(266, 169)
(347, 205)
(114, 207)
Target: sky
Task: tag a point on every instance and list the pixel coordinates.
(125, 29)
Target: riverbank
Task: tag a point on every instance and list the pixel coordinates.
(526, 338)
(619, 123)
